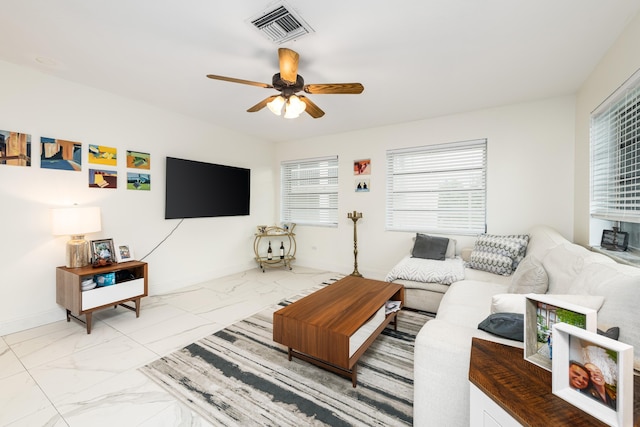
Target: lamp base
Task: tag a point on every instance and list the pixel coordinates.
(77, 252)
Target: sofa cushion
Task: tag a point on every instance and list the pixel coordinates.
(506, 325)
(490, 253)
(446, 271)
(515, 303)
(430, 247)
(467, 302)
(529, 277)
(620, 286)
(565, 262)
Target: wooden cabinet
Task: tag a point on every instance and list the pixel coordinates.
(131, 284)
(507, 390)
(277, 237)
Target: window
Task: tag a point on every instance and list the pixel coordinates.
(310, 191)
(615, 155)
(438, 188)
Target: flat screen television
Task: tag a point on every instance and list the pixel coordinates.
(198, 189)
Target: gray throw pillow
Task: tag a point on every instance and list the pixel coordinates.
(529, 278)
(505, 325)
(430, 247)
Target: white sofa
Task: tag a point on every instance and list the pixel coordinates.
(442, 347)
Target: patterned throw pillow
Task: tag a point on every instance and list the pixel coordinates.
(490, 251)
(491, 262)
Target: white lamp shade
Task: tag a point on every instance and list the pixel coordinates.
(276, 105)
(294, 107)
(75, 221)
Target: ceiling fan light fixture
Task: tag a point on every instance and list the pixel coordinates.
(276, 105)
(294, 107)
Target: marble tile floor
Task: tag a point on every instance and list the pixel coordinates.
(58, 375)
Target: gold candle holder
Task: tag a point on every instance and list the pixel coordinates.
(355, 216)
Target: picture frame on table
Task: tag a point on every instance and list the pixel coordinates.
(102, 251)
(124, 253)
(593, 373)
(541, 313)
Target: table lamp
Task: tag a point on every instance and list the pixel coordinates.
(76, 222)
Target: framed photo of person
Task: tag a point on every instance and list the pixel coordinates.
(593, 373)
(541, 313)
(102, 251)
(124, 253)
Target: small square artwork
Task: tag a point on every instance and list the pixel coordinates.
(60, 154)
(138, 181)
(101, 155)
(362, 185)
(103, 178)
(15, 148)
(138, 160)
(362, 167)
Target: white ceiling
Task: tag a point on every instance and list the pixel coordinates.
(416, 58)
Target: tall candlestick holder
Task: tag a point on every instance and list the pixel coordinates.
(355, 216)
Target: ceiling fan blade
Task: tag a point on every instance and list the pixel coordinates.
(288, 64)
(234, 80)
(353, 88)
(313, 110)
(260, 105)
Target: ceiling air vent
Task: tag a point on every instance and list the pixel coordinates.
(280, 24)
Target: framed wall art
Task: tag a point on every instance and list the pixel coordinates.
(593, 373)
(362, 167)
(15, 148)
(541, 313)
(60, 154)
(138, 160)
(101, 155)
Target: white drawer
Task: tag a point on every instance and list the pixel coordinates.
(109, 294)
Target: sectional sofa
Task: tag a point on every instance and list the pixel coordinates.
(551, 264)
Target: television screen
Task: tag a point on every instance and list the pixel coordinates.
(197, 189)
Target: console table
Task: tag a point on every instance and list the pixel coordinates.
(507, 390)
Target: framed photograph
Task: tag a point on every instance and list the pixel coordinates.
(362, 186)
(541, 313)
(124, 253)
(614, 240)
(102, 250)
(362, 167)
(593, 373)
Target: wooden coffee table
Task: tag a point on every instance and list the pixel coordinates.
(334, 326)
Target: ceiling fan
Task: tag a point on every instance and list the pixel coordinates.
(289, 82)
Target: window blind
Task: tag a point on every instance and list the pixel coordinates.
(309, 191)
(438, 188)
(615, 155)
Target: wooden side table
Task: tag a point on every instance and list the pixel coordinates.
(521, 391)
(69, 292)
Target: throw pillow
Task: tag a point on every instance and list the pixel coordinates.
(515, 303)
(505, 325)
(612, 333)
(492, 249)
(508, 303)
(493, 263)
(529, 278)
(430, 247)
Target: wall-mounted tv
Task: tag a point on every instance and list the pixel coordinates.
(198, 189)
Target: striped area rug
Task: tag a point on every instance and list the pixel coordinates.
(240, 376)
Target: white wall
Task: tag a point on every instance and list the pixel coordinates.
(620, 62)
(40, 105)
(530, 179)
